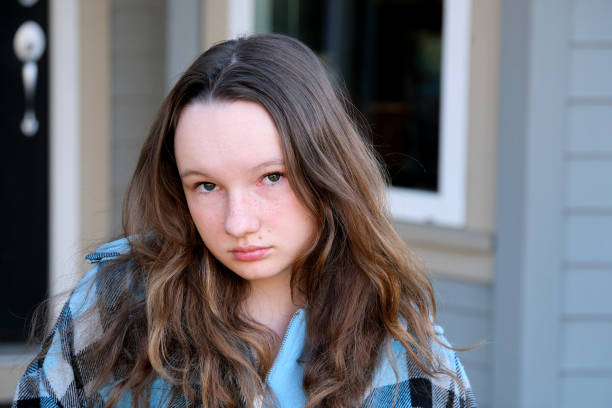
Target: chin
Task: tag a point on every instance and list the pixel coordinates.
(255, 272)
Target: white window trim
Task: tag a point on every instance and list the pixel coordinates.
(447, 205)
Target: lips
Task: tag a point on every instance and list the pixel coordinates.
(249, 253)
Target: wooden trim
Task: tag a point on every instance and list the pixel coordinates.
(95, 125)
(451, 253)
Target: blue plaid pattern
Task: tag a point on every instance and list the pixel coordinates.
(63, 376)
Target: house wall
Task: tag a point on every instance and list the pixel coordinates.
(461, 260)
(465, 313)
(95, 124)
(553, 310)
(183, 36)
(482, 116)
(530, 223)
(138, 85)
(586, 317)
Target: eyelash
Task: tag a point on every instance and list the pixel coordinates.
(280, 175)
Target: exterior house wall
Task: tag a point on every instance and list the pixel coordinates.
(465, 313)
(530, 227)
(586, 318)
(95, 125)
(138, 85)
(461, 260)
(461, 266)
(482, 115)
(554, 258)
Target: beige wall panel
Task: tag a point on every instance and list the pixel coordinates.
(453, 253)
(483, 106)
(457, 265)
(95, 122)
(215, 28)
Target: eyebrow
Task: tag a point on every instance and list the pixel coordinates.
(194, 172)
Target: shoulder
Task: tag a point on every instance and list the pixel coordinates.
(109, 251)
(59, 375)
(398, 378)
(88, 288)
(84, 294)
(79, 313)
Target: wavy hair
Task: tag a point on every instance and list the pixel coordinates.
(361, 282)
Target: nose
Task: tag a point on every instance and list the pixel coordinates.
(241, 218)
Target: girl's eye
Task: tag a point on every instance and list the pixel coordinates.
(206, 187)
(272, 178)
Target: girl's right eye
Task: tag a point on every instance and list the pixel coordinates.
(206, 187)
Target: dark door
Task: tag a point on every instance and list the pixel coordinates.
(24, 170)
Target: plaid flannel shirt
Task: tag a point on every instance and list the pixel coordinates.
(63, 377)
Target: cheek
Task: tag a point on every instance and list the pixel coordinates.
(209, 222)
(294, 217)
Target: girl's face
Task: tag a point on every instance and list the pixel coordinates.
(231, 166)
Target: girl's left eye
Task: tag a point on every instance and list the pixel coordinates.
(272, 178)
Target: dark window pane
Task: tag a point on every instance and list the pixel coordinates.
(388, 54)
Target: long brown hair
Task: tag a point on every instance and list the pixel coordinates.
(362, 284)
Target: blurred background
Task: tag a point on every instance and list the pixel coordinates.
(494, 118)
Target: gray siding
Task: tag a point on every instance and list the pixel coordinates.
(589, 128)
(591, 20)
(464, 310)
(589, 184)
(527, 301)
(586, 392)
(586, 360)
(590, 66)
(138, 78)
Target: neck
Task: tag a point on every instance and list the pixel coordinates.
(270, 303)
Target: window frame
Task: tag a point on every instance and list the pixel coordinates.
(447, 206)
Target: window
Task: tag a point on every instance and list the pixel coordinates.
(393, 56)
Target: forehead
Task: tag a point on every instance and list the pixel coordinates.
(235, 134)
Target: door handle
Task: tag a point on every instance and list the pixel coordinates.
(29, 44)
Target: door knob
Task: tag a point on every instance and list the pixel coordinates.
(29, 44)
